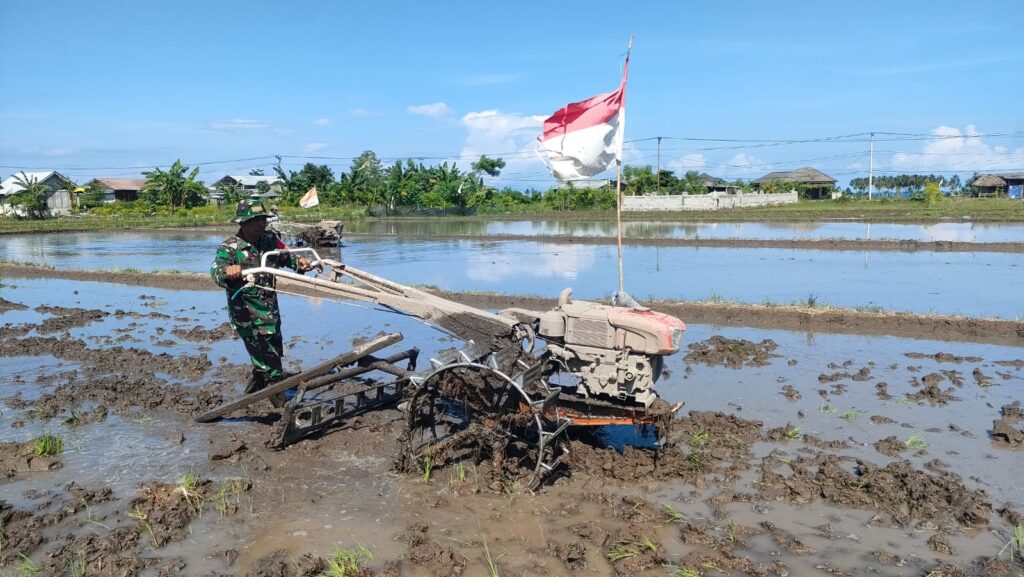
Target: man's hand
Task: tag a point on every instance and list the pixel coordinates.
(303, 264)
(233, 272)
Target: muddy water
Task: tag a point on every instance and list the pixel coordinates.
(946, 231)
(338, 490)
(922, 282)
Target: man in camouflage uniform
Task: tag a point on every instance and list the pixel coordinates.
(253, 309)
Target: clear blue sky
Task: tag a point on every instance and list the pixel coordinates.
(89, 88)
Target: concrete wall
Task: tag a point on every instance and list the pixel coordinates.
(704, 201)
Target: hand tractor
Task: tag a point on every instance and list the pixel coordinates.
(507, 397)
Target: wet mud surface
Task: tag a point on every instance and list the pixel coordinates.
(814, 473)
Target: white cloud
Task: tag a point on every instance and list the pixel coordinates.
(435, 110)
(238, 124)
(511, 136)
(360, 112)
(323, 122)
(744, 163)
(504, 262)
(694, 161)
(953, 150)
(314, 146)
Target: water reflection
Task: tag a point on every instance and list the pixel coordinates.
(974, 284)
(962, 231)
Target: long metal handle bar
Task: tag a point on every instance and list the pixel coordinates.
(374, 289)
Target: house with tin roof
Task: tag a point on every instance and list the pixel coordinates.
(122, 189)
(250, 184)
(58, 199)
(816, 184)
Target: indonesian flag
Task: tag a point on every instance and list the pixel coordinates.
(310, 199)
(584, 138)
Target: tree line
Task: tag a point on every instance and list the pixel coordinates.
(909, 183)
(410, 185)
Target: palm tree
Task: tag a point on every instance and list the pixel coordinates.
(32, 197)
(174, 187)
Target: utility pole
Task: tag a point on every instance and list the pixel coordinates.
(871, 166)
(657, 175)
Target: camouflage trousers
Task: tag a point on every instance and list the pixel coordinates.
(265, 352)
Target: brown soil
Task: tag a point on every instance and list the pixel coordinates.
(905, 493)
(890, 446)
(732, 353)
(203, 335)
(944, 358)
(164, 512)
(1006, 431)
(930, 390)
(67, 318)
(21, 458)
(944, 328)
(6, 305)
(940, 544)
(112, 359)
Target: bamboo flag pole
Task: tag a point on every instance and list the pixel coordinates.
(618, 186)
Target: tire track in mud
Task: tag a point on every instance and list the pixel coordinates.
(792, 318)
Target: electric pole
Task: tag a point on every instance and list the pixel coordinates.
(871, 166)
(657, 175)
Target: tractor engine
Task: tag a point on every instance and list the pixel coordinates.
(616, 352)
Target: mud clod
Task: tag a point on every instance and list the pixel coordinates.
(940, 544)
(890, 446)
(731, 353)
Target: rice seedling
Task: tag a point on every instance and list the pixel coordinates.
(674, 515)
(47, 445)
(492, 566)
(715, 298)
(77, 566)
(621, 550)
(1015, 544)
(700, 438)
(810, 302)
(510, 490)
(916, 442)
(682, 572)
(141, 517)
(698, 459)
(795, 434)
(646, 543)
(850, 415)
(27, 567)
(428, 466)
(346, 562)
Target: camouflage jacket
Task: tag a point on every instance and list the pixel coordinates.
(253, 309)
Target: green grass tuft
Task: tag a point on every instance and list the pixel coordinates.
(346, 562)
(47, 445)
(916, 442)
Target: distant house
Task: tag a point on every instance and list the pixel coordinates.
(998, 183)
(122, 189)
(250, 184)
(715, 184)
(988, 185)
(816, 184)
(58, 200)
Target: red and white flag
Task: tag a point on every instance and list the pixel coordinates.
(310, 199)
(583, 138)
